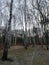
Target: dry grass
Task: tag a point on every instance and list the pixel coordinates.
(32, 56)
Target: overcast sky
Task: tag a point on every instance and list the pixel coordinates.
(4, 7)
(19, 14)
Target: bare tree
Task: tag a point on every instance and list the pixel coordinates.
(25, 34)
(44, 19)
(7, 35)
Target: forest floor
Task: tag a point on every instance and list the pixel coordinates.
(32, 56)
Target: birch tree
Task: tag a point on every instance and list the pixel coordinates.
(7, 35)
